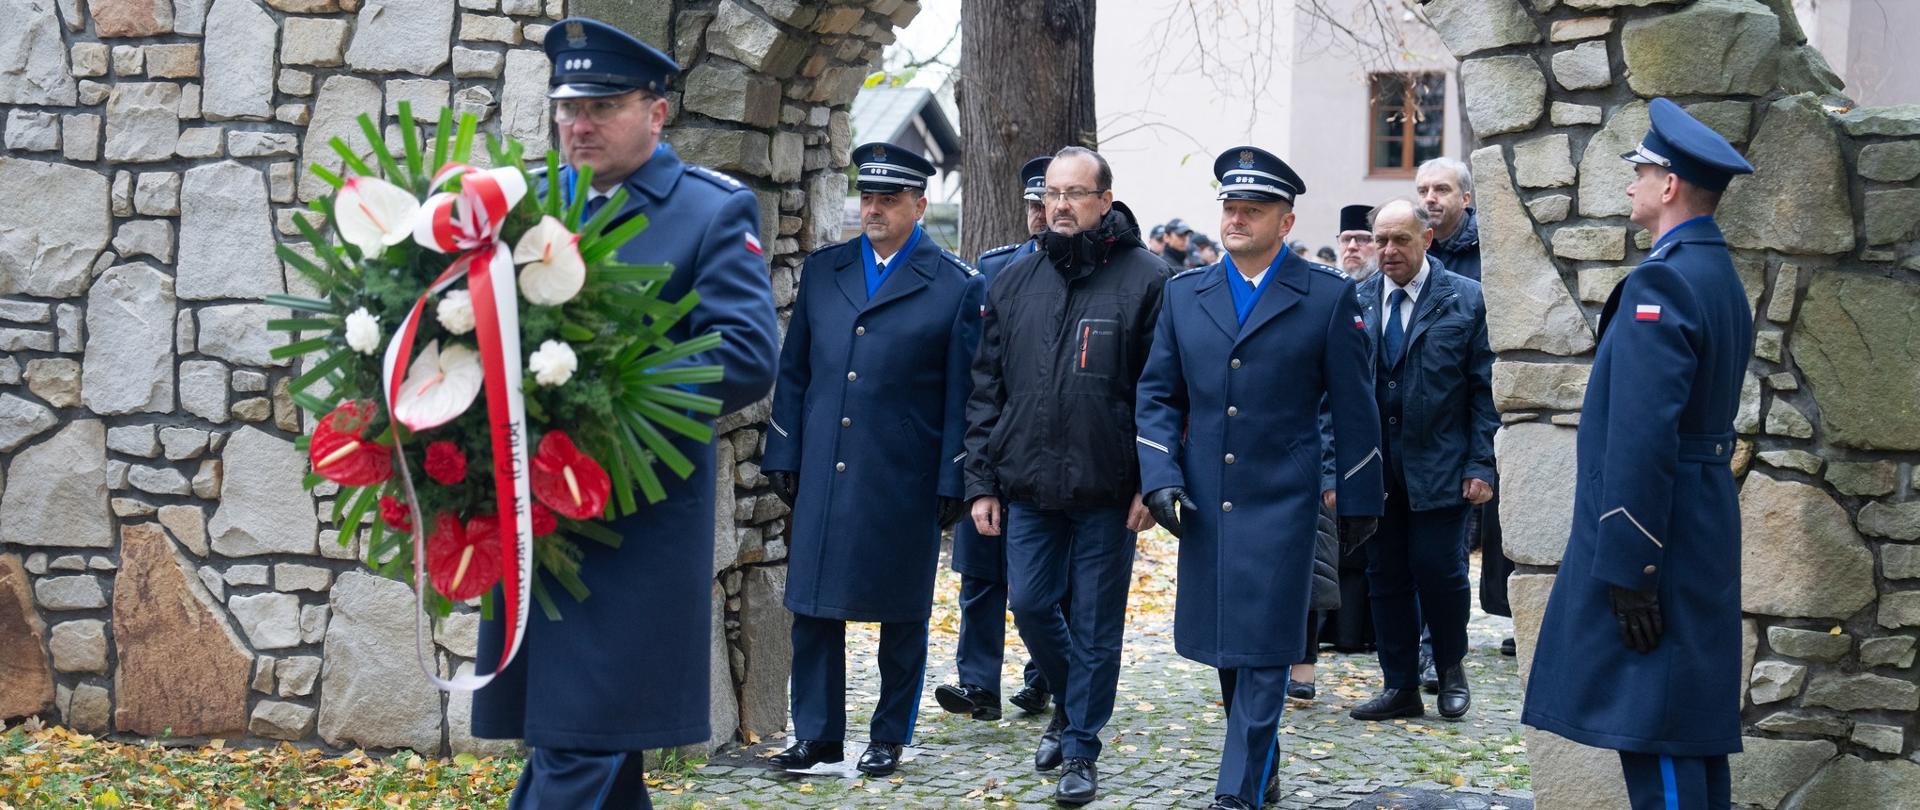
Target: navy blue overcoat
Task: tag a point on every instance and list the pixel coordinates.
(1447, 418)
(627, 669)
(1230, 412)
(1655, 509)
(973, 554)
(870, 412)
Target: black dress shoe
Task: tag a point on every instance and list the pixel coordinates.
(967, 699)
(1507, 648)
(1047, 756)
(1388, 704)
(1429, 679)
(1079, 783)
(1454, 695)
(1271, 795)
(881, 759)
(1224, 802)
(1031, 699)
(808, 753)
(1301, 690)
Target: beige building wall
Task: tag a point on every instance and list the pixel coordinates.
(1863, 40)
(1165, 109)
(1330, 115)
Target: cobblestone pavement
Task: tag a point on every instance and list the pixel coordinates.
(1162, 743)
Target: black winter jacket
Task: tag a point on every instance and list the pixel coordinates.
(1065, 335)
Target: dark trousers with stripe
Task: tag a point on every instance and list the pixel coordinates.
(1417, 569)
(1087, 553)
(820, 679)
(1659, 782)
(562, 779)
(983, 636)
(1254, 697)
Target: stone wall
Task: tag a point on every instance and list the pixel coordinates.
(1824, 238)
(162, 571)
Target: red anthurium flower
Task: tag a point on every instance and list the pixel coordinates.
(464, 561)
(395, 514)
(340, 452)
(568, 481)
(544, 523)
(445, 463)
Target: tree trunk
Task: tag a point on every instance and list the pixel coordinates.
(1025, 89)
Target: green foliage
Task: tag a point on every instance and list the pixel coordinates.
(626, 405)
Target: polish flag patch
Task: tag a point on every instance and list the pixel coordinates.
(1359, 323)
(1646, 312)
(753, 244)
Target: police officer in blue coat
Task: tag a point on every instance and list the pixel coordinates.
(627, 670)
(982, 561)
(865, 444)
(1230, 450)
(1639, 650)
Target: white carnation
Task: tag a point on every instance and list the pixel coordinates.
(456, 312)
(552, 363)
(363, 332)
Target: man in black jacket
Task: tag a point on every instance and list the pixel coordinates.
(1050, 460)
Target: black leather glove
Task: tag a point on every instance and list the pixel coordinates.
(1356, 530)
(950, 511)
(1639, 612)
(1161, 504)
(784, 485)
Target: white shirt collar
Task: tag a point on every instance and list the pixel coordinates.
(1413, 287)
(1255, 279)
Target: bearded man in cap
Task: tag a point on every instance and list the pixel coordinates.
(1356, 242)
(627, 670)
(1639, 650)
(1229, 447)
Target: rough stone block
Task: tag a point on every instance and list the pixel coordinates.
(1528, 304)
(1775, 681)
(1853, 342)
(1591, 243)
(1797, 200)
(1582, 67)
(1799, 554)
(1813, 645)
(1543, 162)
(1766, 770)
(1894, 162)
(1712, 47)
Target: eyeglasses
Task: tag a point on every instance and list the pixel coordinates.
(1355, 238)
(597, 110)
(1073, 196)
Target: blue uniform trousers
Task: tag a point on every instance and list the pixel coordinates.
(983, 636)
(562, 779)
(1087, 553)
(1254, 697)
(1417, 569)
(1658, 782)
(820, 679)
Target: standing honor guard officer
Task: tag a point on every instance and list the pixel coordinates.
(1639, 650)
(1229, 434)
(1434, 384)
(627, 670)
(982, 561)
(865, 445)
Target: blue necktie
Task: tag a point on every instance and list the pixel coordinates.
(592, 207)
(1396, 330)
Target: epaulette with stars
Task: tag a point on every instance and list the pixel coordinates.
(960, 263)
(1329, 270)
(720, 179)
(991, 252)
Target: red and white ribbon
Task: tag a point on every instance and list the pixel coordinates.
(468, 221)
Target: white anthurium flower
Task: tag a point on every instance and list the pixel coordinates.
(554, 270)
(455, 311)
(553, 363)
(440, 385)
(372, 213)
(363, 332)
